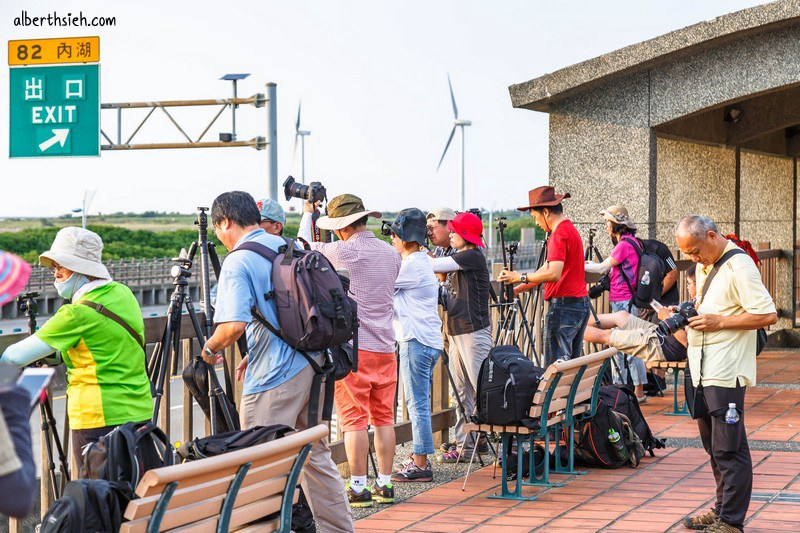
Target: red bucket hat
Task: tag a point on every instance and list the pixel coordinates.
(469, 227)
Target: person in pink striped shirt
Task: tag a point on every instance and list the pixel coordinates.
(365, 397)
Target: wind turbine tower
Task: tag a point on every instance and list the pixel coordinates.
(301, 135)
(457, 123)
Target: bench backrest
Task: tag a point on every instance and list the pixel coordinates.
(198, 490)
(566, 384)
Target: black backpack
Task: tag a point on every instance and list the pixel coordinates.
(623, 400)
(649, 282)
(592, 444)
(88, 506)
(231, 441)
(126, 453)
(302, 517)
(195, 377)
(507, 382)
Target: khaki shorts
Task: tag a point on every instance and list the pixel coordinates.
(638, 338)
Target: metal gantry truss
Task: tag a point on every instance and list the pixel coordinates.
(257, 100)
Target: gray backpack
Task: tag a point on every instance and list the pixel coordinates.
(315, 313)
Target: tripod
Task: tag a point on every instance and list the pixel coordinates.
(509, 305)
(166, 353)
(28, 305)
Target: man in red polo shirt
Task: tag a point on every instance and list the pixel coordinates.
(562, 275)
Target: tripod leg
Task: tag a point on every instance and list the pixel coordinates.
(62, 456)
(51, 465)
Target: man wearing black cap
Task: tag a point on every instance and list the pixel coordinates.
(562, 274)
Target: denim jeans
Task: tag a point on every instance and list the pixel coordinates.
(637, 367)
(564, 329)
(416, 370)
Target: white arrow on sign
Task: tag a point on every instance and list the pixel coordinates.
(59, 136)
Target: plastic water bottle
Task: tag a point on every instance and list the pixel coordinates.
(732, 416)
(646, 278)
(619, 447)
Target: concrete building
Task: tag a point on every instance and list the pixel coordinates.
(705, 119)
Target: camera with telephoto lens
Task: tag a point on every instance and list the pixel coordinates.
(679, 320)
(597, 290)
(313, 192)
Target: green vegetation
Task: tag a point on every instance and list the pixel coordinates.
(151, 234)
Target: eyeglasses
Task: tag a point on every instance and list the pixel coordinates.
(54, 268)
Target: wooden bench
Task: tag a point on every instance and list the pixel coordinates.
(674, 367)
(566, 390)
(235, 491)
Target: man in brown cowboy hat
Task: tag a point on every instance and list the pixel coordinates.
(367, 396)
(562, 275)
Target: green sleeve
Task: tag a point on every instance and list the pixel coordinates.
(63, 330)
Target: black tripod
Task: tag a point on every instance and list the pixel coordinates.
(166, 353)
(509, 305)
(28, 305)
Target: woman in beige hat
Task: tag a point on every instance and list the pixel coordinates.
(622, 266)
(100, 334)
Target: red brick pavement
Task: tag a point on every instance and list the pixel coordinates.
(653, 497)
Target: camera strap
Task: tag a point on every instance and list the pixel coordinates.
(103, 310)
(706, 284)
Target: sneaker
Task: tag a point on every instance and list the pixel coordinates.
(721, 527)
(383, 493)
(359, 499)
(700, 521)
(642, 400)
(447, 446)
(411, 472)
(454, 457)
(410, 461)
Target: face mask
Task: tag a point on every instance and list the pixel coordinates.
(67, 288)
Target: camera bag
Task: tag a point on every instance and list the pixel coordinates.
(623, 400)
(593, 447)
(302, 517)
(127, 452)
(507, 382)
(87, 506)
(315, 313)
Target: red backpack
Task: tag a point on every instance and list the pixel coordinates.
(744, 245)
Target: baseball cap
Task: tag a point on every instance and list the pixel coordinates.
(442, 213)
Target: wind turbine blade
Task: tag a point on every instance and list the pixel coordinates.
(446, 146)
(452, 97)
(297, 124)
(294, 150)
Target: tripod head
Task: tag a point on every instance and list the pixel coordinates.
(27, 304)
(501, 224)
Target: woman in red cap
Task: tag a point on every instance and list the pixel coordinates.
(468, 319)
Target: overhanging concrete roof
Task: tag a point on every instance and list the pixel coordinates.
(540, 93)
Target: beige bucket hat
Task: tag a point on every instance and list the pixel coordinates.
(78, 250)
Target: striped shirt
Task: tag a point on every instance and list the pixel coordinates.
(373, 266)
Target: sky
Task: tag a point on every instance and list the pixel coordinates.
(372, 77)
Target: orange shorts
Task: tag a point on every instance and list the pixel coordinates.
(367, 396)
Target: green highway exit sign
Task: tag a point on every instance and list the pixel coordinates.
(55, 111)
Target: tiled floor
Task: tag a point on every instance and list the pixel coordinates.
(653, 497)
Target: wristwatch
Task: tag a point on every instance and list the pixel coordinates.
(209, 352)
(523, 278)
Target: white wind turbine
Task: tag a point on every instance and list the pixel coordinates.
(301, 134)
(457, 123)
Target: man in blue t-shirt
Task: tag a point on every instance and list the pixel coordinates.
(277, 379)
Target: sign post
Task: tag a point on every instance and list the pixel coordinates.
(54, 109)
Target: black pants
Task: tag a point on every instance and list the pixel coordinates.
(82, 437)
(726, 444)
